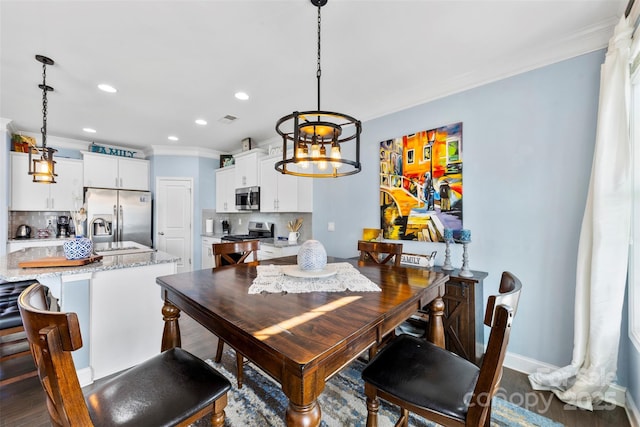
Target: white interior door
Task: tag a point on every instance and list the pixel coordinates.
(174, 204)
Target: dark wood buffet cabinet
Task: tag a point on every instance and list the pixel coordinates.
(463, 314)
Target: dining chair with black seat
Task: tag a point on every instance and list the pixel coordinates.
(172, 388)
(380, 252)
(229, 254)
(439, 385)
(13, 343)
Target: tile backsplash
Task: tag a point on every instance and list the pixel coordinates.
(35, 220)
(239, 222)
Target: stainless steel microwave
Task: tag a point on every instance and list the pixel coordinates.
(248, 199)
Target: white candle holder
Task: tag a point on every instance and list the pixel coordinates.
(464, 271)
(447, 257)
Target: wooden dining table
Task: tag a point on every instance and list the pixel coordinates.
(301, 339)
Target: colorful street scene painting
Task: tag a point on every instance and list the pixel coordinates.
(421, 184)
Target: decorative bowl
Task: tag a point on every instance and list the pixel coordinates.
(312, 256)
(77, 248)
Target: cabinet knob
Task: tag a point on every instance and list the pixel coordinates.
(161, 233)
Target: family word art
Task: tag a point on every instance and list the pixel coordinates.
(112, 151)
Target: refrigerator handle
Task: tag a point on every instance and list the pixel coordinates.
(121, 222)
(117, 222)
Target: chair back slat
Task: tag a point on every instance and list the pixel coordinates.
(52, 336)
(498, 315)
(372, 251)
(491, 369)
(509, 294)
(223, 252)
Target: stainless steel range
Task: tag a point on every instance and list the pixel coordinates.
(263, 231)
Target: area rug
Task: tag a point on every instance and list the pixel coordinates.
(260, 402)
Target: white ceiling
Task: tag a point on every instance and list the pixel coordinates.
(175, 61)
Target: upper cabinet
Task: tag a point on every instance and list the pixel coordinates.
(27, 195)
(225, 189)
(104, 171)
(248, 168)
(283, 193)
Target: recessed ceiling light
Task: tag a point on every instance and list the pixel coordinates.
(242, 96)
(107, 88)
(89, 130)
(172, 138)
(201, 122)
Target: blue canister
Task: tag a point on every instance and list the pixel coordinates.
(78, 248)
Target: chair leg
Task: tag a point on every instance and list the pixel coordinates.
(403, 421)
(373, 404)
(217, 419)
(240, 368)
(219, 351)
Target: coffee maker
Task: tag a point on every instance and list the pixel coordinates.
(63, 226)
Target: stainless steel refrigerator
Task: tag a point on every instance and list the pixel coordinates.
(118, 215)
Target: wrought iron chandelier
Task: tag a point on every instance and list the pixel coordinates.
(43, 168)
(317, 136)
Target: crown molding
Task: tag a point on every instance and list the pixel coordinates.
(159, 150)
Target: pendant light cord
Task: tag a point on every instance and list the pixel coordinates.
(319, 71)
(43, 130)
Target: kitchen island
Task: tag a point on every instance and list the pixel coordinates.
(117, 300)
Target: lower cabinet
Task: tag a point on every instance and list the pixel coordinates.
(207, 252)
(271, 251)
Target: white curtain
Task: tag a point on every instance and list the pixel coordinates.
(604, 242)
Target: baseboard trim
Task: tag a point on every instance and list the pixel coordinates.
(85, 377)
(616, 394)
(632, 411)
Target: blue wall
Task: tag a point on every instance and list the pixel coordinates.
(527, 148)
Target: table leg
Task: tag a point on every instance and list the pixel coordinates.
(304, 416)
(436, 327)
(171, 332)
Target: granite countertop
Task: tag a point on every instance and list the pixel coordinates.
(10, 271)
(36, 239)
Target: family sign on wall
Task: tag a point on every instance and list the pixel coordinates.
(421, 184)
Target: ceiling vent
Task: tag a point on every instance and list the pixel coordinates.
(228, 119)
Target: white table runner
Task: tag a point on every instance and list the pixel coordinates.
(271, 279)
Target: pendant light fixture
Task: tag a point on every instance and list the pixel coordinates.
(312, 141)
(43, 168)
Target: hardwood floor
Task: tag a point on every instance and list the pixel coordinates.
(22, 404)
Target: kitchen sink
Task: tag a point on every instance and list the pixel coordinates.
(120, 248)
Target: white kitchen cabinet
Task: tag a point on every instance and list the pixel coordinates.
(27, 195)
(104, 171)
(207, 252)
(272, 251)
(283, 193)
(248, 168)
(226, 189)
